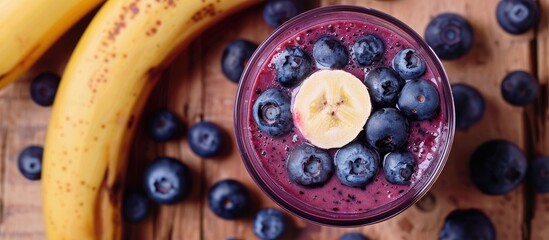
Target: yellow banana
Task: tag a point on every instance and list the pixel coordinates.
(114, 67)
(30, 27)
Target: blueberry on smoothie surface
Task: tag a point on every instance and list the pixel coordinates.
(206, 139)
(235, 57)
(384, 85)
(276, 12)
(163, 125)
(469, 105)
(272, 114)
(309, 166)
(497, 166)
(368, 49)
(387, 130)
(29, 162)
(229, 199)
(450, 35)
(409, 64)
(355, 164)
(43, 88)
(539, 174)
(467, 224)
(517, 16)
(167, 180)
(419, 100)
(269, 224)
(519, 88)
(399, 166)
(292, 66)
(330, 53)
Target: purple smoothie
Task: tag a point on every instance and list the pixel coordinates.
(333, 196)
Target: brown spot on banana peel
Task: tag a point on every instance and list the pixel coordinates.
(207, 11)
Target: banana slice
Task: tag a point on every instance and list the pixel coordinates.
(331, 108)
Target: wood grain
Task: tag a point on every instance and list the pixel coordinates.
(194, 88)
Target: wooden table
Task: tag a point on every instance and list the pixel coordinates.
(195, 89)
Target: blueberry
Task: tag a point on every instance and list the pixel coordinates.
(206, 139)
(167, 180)
(271, 112)
(450, 36)
(135, 207)
(309, 166)
(269, 224)
(497, 167)
(469, 105)
(276, 12)
(383, 85)
(409, 64)
(467, 224)
(330, 53)
(519, 88)
(292, 66)
(163, 125)
(355, 164)
(399, 166)
(517, 16)
(234, 58)
(353, 236)
(387, 130)
(229, 199)
(43, 88)
(368, 49)
(29, 162)
(418, 100)
(539, 174)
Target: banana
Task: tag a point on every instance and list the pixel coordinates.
(331, 108)
(108, 78)
(30, 27)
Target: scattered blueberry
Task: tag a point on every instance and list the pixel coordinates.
(384, 85)
(353, 236)
(235, 57)
(469, 105)
(539, 174)
(519, 88)
(276, 12)
(497, 167)
(399, 167)
(135, 207)
(292, 66)
(164, 125)
(355, 164)
(272, 112)
(309, 166)
(328, 52)
(450, 36)
(43, 88)
(418, 100)
(29, 162)
(517, 16)
(206, 139)
(465, 224)
(409, 64)
(167, 180)
(229, 199)
(387, 130)
(368, 49)
(269, 224)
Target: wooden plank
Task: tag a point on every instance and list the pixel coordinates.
(540, 122)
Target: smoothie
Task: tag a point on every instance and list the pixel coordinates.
(267, 152)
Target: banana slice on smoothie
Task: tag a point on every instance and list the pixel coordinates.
(331, 108)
